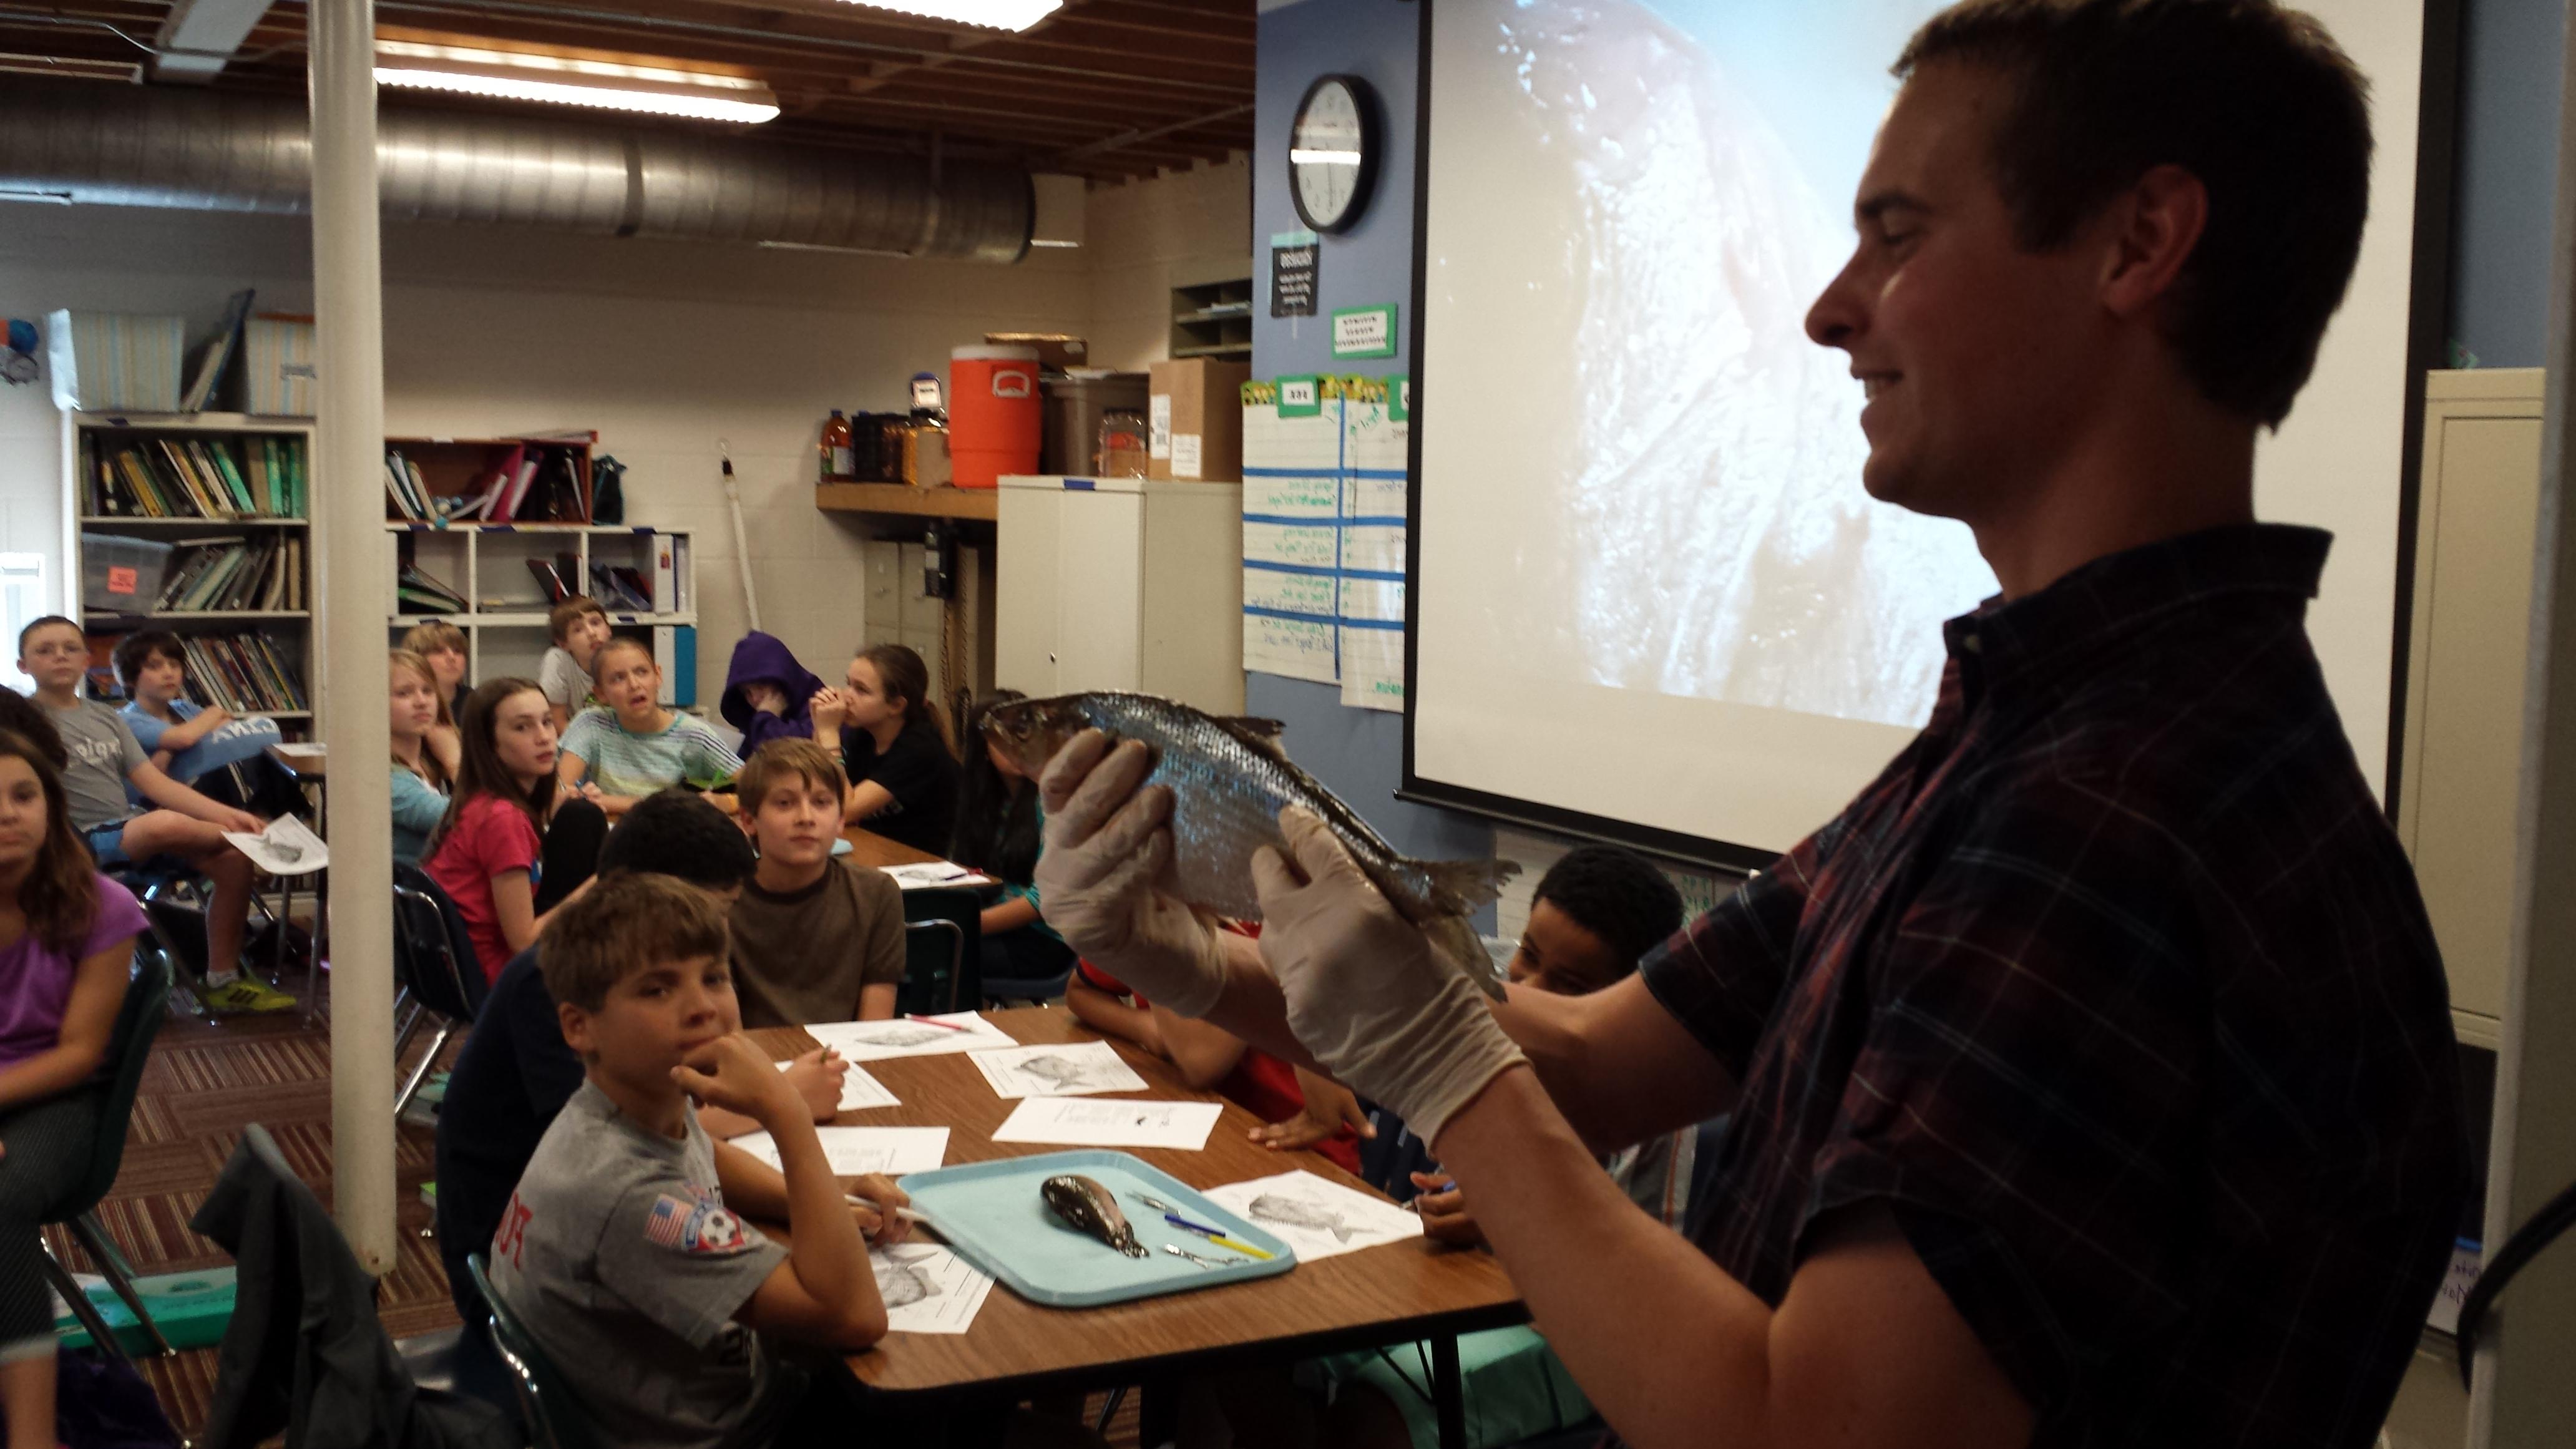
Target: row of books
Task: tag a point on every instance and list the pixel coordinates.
(258, 476)
(216, 574)
(242, 672)
(525, 484)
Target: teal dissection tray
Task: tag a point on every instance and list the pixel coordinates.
(991, 1212)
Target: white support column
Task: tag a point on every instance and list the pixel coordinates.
(350, 558)
(2523, 1393)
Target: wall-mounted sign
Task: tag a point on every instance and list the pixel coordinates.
(1296, 261)
(1364, 331)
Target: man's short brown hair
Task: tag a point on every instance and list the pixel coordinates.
(781, 760)
(559, 618)
(621, 925)
(2255, 100)
(433, 635)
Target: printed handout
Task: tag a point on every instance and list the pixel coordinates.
(928, 1288)
(1317, 1217)
(904, 1036)
(287, 847)
(857, 1151)
(859, 1091)
(1086, 1122)
(1072, 1070)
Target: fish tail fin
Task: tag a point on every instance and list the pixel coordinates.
(1459, 886)
(1458, 940)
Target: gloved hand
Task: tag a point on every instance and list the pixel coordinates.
(1100, 879)
(1367, 992)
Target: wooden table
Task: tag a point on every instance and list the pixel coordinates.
(1398, 1293)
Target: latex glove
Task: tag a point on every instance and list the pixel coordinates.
(1100, 877)
(1367, 992)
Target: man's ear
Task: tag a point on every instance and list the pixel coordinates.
(2155, 227)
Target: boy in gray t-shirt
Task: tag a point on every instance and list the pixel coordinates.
(105, 758)
(625, 1251)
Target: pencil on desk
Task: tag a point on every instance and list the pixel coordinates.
(930, 1021)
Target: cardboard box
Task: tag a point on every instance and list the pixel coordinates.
(1057, 351)
(1194, 420)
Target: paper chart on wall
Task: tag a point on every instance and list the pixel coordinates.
(1319, 1218)
(858, 1151)
(1325, 467)
(928, 1288)
(1075, 1069)
(1376, 440)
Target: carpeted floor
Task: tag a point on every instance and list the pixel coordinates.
(207, 1080)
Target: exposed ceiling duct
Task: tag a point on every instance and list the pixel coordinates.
(196, 150)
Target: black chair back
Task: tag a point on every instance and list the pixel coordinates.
(433, 951)
(943, 950)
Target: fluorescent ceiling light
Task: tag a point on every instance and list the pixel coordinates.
(568, 81)
(997, 14)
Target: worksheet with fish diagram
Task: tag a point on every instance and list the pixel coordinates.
(903, 1036)
(927, 1288)
(1075, 1069)
(1317, 1217)
(1110, 1122)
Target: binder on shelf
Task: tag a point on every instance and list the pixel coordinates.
(217, 357)
(675, 653)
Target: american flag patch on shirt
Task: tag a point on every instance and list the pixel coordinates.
(669, 1224)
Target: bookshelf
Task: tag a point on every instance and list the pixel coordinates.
(506, 602)
(197, 524)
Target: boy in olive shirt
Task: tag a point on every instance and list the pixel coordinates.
(626, 1250)
(813, 940)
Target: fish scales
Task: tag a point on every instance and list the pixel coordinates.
(1229, 783)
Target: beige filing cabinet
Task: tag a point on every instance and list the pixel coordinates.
(1121, 583)
(2476, 528)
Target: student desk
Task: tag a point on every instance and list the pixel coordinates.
(1398, 1293)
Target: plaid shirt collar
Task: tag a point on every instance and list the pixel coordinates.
(2002, 644)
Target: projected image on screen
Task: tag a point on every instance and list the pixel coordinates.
(1718, 543)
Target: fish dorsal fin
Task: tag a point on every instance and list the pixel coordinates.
(1253, 724)
(1261, 736)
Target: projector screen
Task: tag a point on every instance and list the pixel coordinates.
(1650, 599)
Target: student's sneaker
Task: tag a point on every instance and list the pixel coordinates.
(244, 995)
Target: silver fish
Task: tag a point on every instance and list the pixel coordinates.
(1088, 1207)
(1229, 780)
(1296, 1212)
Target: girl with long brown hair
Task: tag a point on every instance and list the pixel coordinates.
(66, 942)
(896, 749)
(509, 850)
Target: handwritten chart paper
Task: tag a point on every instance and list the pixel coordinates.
(1325, 469)
(1081, 1122)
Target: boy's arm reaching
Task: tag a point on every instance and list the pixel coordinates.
(169, 794)
(825, 1293)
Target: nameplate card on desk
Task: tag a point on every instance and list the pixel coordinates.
(1075, 1069)
(858, 1151)
(1089, 1122)
(1319, 1218)
(859, 1091)
(868, 1041)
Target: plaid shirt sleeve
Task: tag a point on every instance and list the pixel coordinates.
(1722, 975)
(2024, 1097)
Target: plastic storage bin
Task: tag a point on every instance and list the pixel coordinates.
(121, 575)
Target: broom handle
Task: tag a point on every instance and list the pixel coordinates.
(741, 547)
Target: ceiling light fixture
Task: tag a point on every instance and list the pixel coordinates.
(995, 14)
(571, 81)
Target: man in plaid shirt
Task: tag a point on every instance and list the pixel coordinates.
(2092, 1073)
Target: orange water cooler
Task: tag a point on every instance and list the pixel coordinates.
(994, 413)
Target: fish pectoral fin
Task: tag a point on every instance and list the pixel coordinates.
(1459, 886)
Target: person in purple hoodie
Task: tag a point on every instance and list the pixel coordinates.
(769, 696)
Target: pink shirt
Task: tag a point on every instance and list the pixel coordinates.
(36, 980)
(491, 837)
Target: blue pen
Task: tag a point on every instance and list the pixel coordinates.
(1217, 1236)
